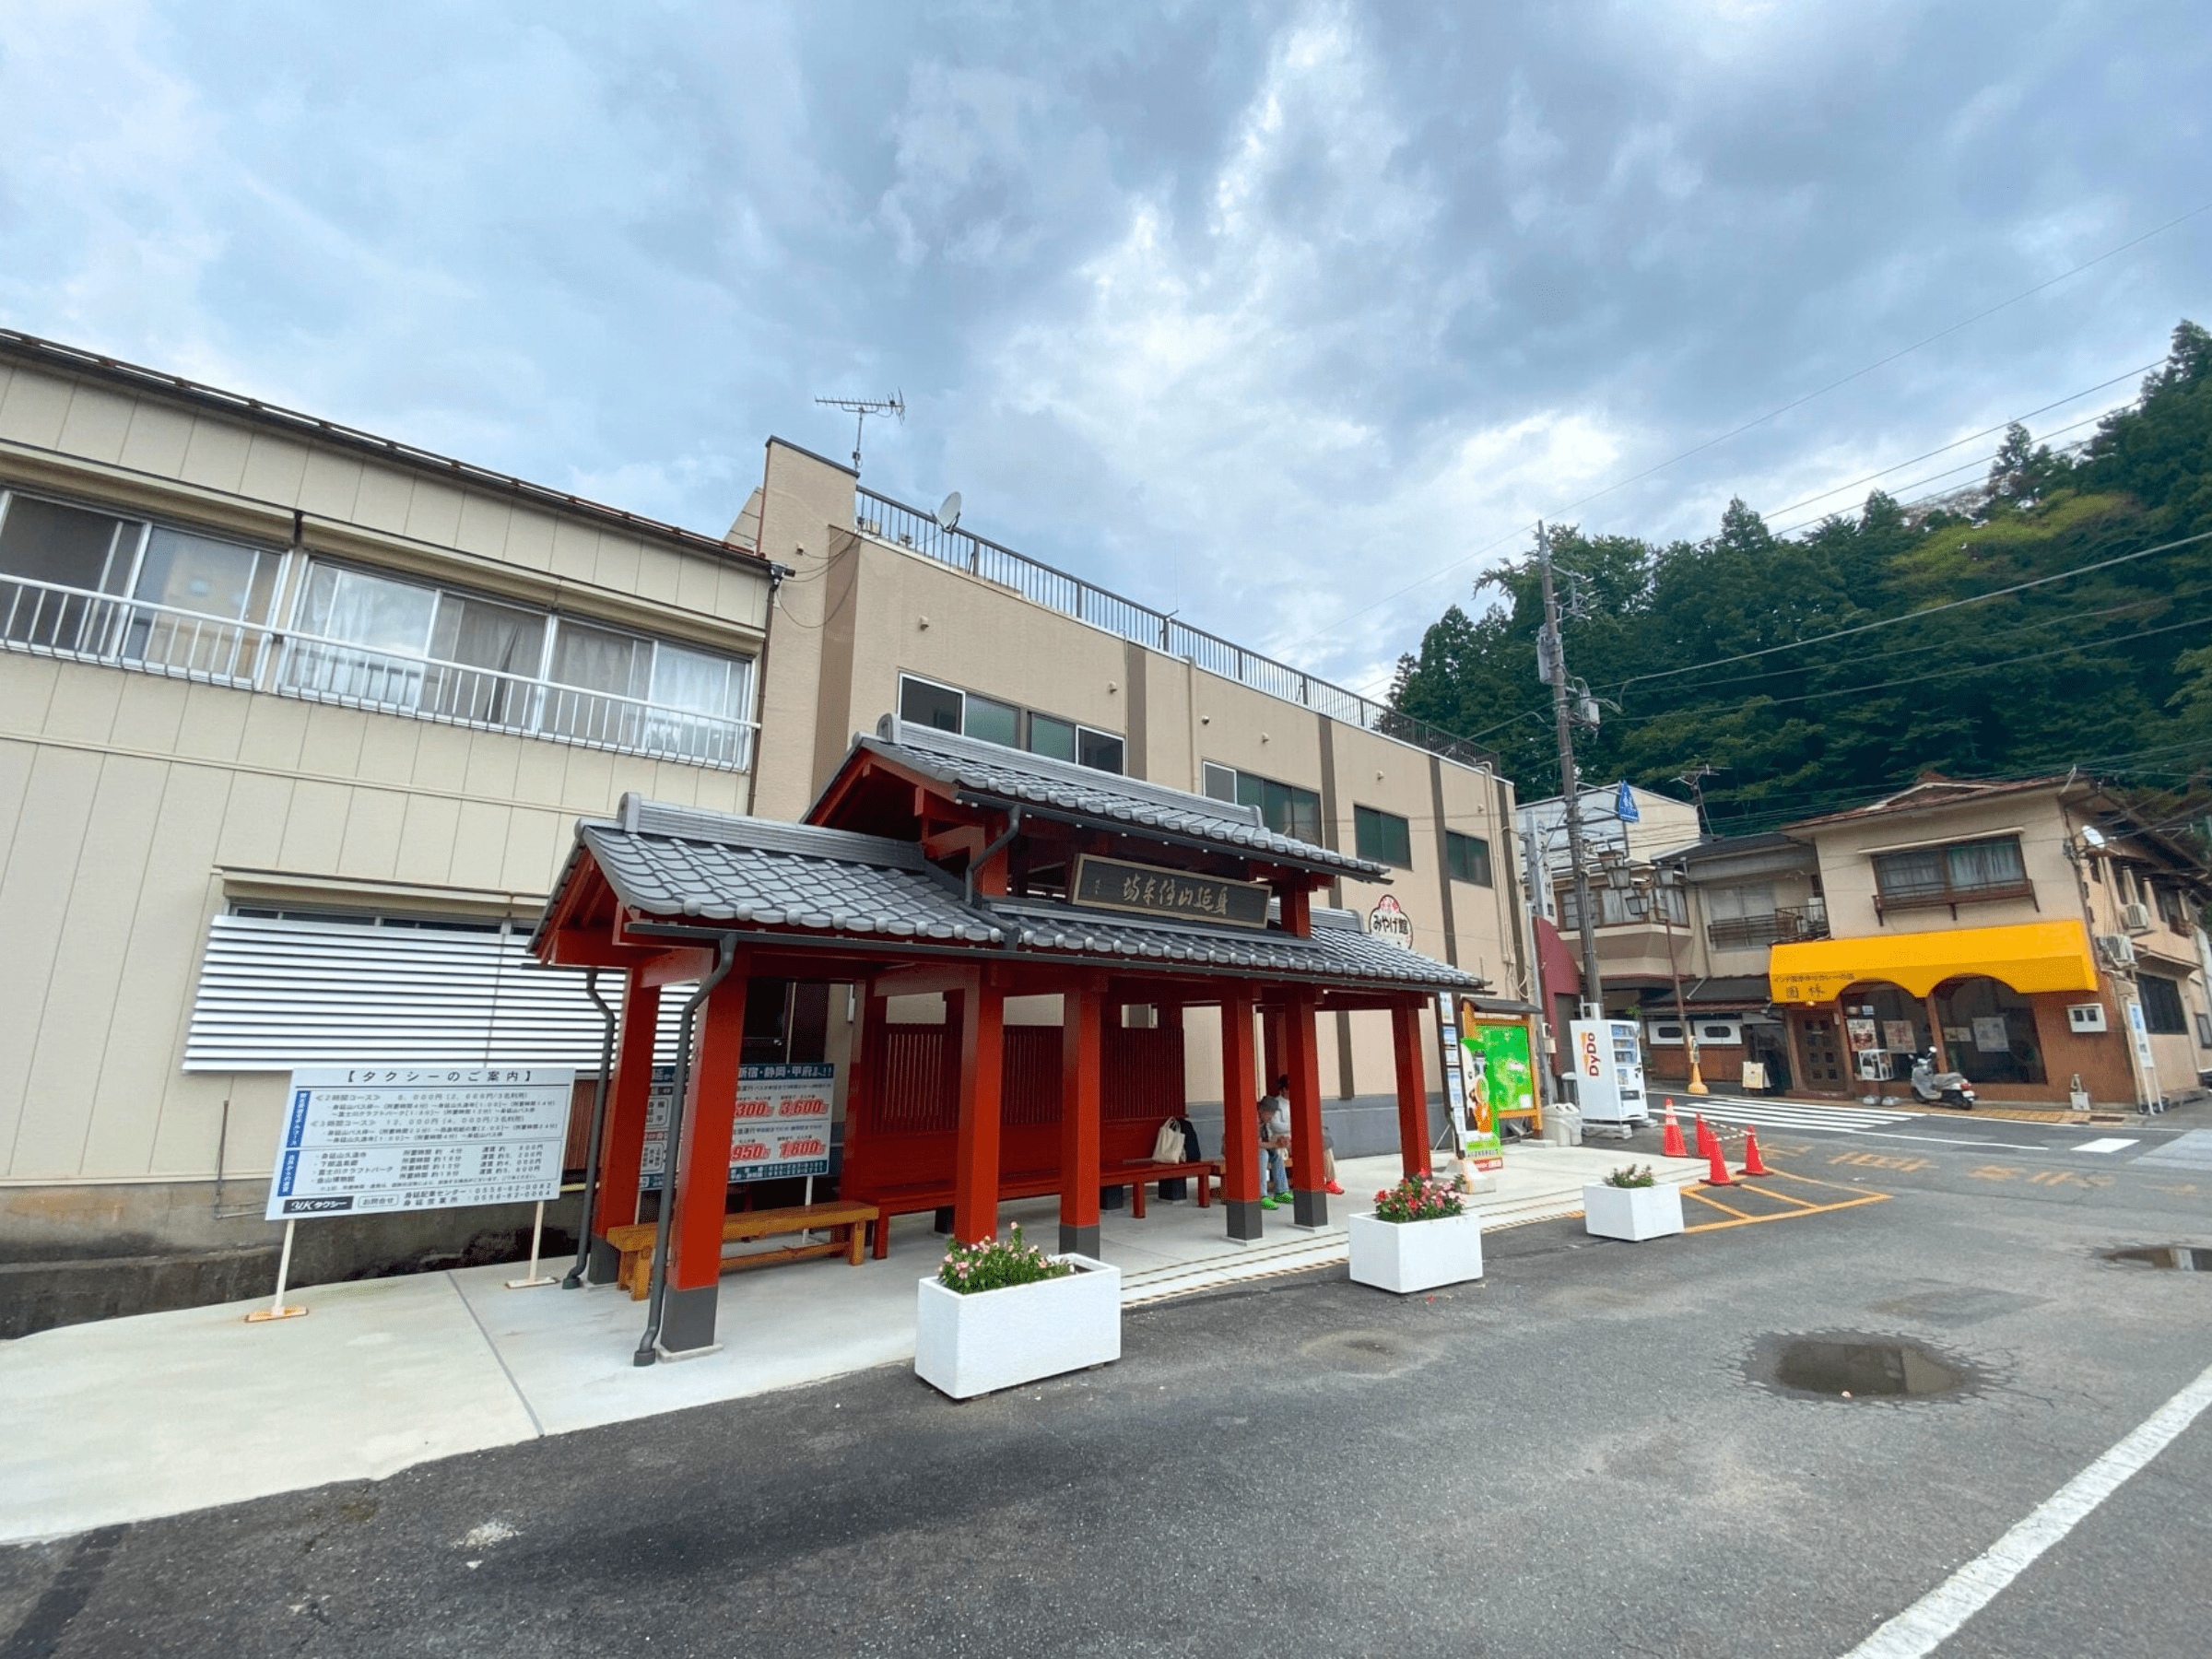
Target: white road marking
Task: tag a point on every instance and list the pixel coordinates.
(2109, 1143)
(1932, 1620)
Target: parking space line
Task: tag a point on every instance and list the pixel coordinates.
(1743, 1220)
(1932, 1620)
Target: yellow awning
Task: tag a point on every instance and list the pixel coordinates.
(2034, 956)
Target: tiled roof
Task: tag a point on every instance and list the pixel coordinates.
(673, 862)
(1339, 954)
(1083, 795)
(677, 863)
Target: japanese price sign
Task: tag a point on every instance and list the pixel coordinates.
(782, 1127)
(357, 1140)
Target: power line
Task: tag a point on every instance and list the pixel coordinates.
(1760, 420)
(1985, 431)
(1931, 610)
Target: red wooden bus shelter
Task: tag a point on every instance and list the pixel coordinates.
(933, 863)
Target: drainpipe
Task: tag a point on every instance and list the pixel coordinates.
(649, 1345)
(984, 857)
(590, 1156)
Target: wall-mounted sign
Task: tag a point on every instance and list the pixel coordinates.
(1389, 921)
(357, 1140)
(782, 1124)
(1168, 895)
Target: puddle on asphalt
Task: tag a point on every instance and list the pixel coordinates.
(1852, 1365)
(2181, 1257)
(1373, 1353)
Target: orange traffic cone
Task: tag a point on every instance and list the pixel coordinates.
(1706, 1142)
(1752, 1162)
(1718, 1175)
(1670, 1143)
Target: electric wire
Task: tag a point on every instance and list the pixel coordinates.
(1749, 425)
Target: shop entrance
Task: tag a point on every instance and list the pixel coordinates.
(1989, 1032)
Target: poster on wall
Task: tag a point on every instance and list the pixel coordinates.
(1500, 1082)
(1990, 1035)
(362, 1139)
(1899, 1036)
(782, 1127)
(1860, 1036)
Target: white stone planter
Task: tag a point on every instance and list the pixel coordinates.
(1632, 1212)
(973, 1345)
(1406, 1256)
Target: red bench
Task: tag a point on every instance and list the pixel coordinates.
(936, 1195)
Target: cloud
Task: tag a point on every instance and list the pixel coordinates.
(1263, 313)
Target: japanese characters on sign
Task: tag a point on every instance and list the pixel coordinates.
(1389, 921)
(782, 1124)
(1177, 895)
(357, 1140)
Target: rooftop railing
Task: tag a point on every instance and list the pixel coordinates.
(48, 620)
(919, 532)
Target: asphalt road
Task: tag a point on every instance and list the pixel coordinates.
(1578, 1457)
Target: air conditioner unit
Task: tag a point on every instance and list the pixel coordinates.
(2119, 949)
(2085, 1017)
(2135, 918)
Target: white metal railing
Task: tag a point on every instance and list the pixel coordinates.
(50, 619)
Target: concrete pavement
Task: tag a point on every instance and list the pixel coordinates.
(130, 1419)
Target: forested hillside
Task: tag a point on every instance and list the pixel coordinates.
(2109, 669)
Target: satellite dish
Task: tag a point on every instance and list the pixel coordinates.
(2092, 835)
(948, 511)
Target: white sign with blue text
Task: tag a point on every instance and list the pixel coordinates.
(359, 1139)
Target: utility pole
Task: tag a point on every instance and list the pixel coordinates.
(1552, 657)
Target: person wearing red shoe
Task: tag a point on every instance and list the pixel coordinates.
(1328, 1162)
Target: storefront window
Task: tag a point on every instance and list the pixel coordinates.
(1989, 1032)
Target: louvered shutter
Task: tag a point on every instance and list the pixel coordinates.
(279, 994)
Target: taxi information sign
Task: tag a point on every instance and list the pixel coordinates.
(359, 1139)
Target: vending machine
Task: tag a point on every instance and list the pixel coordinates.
(1608, 1072)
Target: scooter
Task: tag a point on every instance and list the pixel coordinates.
(1935, 1088)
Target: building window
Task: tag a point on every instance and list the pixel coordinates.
(950, 709)
(398, 646)
(1284, 807)
(1964, 871)
(2161, 1006)
(2171, 910)
(1467, 857)
(1384, 836)
(91, 583)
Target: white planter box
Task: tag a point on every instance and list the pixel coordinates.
(1632, 1212)
(1406, 1256)
(973, 1345)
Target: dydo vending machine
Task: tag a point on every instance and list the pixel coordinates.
(1609, 1073)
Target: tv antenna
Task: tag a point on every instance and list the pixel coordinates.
(860, 409)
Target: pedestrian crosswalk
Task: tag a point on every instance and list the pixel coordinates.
(1783, 1114)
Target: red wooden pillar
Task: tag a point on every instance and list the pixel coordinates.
(1082, 1066)
(701, 1161)
(1413, 1088)
(1271, 1050)
(1301, 1062)
(976, 1015)
(1239, 1118)
(622, 1137)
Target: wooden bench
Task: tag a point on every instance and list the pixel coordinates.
(935, 1195)
(635, 1241)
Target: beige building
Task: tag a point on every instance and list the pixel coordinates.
(296, 723)
(888, 613)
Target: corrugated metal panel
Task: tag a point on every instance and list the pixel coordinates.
(277, 994)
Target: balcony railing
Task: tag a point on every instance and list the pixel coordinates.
(1782, 927)
(1937, 896)
(48, 620)
(1041, 583)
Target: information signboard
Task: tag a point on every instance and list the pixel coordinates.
(782, 1127)
(360, 1139)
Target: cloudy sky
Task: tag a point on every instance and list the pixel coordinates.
(1291, 316)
